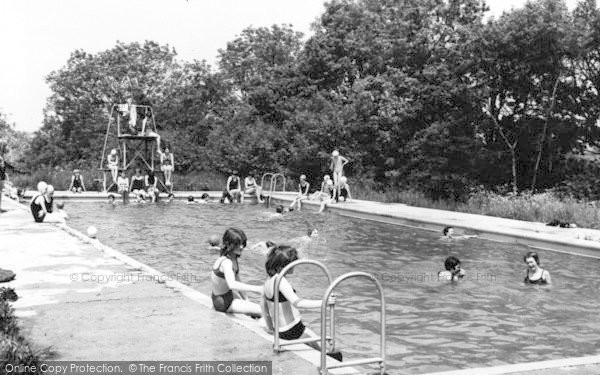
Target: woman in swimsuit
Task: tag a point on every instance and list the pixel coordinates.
(151, 185)
(535, 274)
(138, 183)
(303, 187)
(225, 278)
(166, 165)
(113, 164)
(290, 320)
(77, 185)
(251, 187)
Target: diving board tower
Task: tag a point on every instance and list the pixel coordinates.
(131, 130)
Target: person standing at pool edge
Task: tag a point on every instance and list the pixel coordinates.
(113, 164)
(2, 173)
(225, 278)
(535, 274)
(166, 165)
(337, 167)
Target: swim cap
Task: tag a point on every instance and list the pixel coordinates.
(92, 232)
(327, 177)
(113, 151)
(214, 240)
(329, 183)
(343, 179)
(335, 153)
(42, 186)
(50, 189)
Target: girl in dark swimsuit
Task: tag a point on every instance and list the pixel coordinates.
(290, 320)
(225, 279)
(535, 274)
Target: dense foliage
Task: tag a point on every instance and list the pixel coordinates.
(419, 94)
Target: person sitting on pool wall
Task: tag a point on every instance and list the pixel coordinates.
(251, 187)
(138, 184)
(453, 271)
(535, 274)
(225, 278)
(290, 320)
(233, 189)
(151, 189)
(344, 190)
(303, 187)
(77, 185)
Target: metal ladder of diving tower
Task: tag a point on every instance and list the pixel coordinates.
(272, 184)
(323, 338)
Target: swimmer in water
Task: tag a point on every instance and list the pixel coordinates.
(263, 247)
(111, 200)
(190, 200)
(535, 274)
(449, 235)
(453, 271)
(215, 243)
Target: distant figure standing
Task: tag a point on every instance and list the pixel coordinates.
(337, 167)
(151, 185)
(77, 185)
(113, 164)
(166, 165)
(2, 172)
(123, 186)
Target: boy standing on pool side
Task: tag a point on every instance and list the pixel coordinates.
(337, 167)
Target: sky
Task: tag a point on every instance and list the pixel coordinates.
(38, 36)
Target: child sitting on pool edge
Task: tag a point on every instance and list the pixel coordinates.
(290, 320)
(225, 279)
(453, 271)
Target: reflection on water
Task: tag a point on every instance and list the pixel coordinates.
(489, 319)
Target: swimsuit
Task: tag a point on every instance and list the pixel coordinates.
(233, 182)
(49, 204)
(35, 210)
(138, 183)
(540, 281)
(287, 313)
(166, 160)
(150, 180)
(222, 302)
(77, 182)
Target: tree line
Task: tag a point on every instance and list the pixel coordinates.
(419, 94)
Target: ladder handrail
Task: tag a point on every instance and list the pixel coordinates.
(276, 344)
(381, 358)
(262, 180)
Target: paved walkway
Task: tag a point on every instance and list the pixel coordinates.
(127, 315)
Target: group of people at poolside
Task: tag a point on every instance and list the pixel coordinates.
(330, 192)
(166, 166)
(42, 205)
(229, 292)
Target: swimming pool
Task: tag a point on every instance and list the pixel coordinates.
(489, 319)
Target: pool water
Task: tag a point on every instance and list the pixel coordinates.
(489, 319)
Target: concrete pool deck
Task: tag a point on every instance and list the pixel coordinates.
(89, 302)
(535, 234)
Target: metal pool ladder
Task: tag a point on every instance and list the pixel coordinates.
(381, 358)
(276, 344)
(272, 184)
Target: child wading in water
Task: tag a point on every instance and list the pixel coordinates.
(225, 279)
(290, 320)
(453, 272)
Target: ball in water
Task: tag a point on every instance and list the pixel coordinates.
(92, 232)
